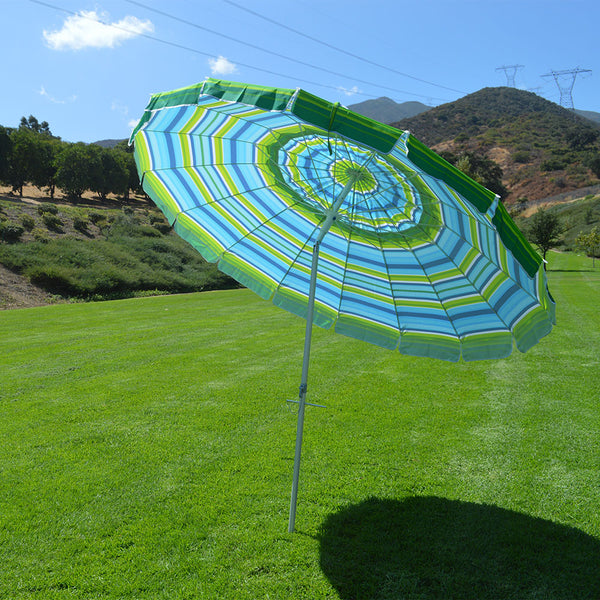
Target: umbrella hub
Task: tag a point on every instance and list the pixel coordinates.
(344, 170)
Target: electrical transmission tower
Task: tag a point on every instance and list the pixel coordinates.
(565, 80)
(510, 71)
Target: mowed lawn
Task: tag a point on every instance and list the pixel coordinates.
(146, 452)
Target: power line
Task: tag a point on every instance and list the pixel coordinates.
(346, 52)
(194, 50)
(271, 53)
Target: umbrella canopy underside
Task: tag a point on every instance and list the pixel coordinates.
(419, 257)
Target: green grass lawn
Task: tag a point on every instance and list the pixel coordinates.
(146, 451)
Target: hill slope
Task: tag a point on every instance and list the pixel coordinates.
(589, 114)
(541, 147)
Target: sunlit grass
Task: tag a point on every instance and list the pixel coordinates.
(146, 451)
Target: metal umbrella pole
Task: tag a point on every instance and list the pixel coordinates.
(331, 216)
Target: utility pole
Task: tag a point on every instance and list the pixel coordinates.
(565, 80)
(510, 71)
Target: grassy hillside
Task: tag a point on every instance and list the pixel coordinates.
(147, 453)
(98, 252)
(541, 147)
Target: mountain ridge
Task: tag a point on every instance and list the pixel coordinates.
(386, 110)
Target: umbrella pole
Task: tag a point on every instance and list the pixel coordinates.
(331, 215)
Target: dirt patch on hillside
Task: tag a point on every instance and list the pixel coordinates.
(17, 291)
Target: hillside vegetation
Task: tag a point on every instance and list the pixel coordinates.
(97, 252)
(542, 148)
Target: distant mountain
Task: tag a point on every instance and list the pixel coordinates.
(385, 110)
(589, 114)
(108, 143)
(542, 148)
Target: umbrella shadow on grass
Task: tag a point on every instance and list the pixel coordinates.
(429, 547)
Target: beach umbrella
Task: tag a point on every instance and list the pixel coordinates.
(352, 224)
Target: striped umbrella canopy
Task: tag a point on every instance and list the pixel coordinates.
(350, 223)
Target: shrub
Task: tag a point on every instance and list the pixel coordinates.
(52, 222)
(163, 228)
(80, 224)
(47, 208)
(10, 232)
(95, 217)
(39, 235)
(552, 164)
(28, 222)
(521, 156)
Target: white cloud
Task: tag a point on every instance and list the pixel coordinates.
(349, 92)
(89, 29)
(221, 66)
(42, 92)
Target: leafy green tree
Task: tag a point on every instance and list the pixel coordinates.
(77, 169)
(21, 158)
(5, 152)
(545, 231)
(580, 138)
(593, 163)
(42, 171)
(133, 182)
(115, 177)
(479, 168)
(34, 125)
(589, 243)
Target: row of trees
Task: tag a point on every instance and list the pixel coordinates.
(31, 154)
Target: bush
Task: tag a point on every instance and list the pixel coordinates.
(552, 164)
(163, 228)
(10, 232)
(39, 235)
(28, 222)
(95, 217)
(80, 224)
(47, 208)
(521, 156)
(52, 222)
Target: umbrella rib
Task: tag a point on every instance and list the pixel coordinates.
(432, 285)
(481, 221)
(302, 128)
(389, 280)
(485, 223)
(466, 277)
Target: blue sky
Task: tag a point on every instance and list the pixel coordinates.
(88, 67)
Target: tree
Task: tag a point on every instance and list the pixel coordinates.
(21, 159)
(42, 170)
(78, 169)
(593, 163)
(545, 230)
(34, 125)
(479, 168)
(589, 243)
(133, 177)
(5, 152)
(581, 137)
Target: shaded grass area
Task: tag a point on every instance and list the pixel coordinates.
(146, 451)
